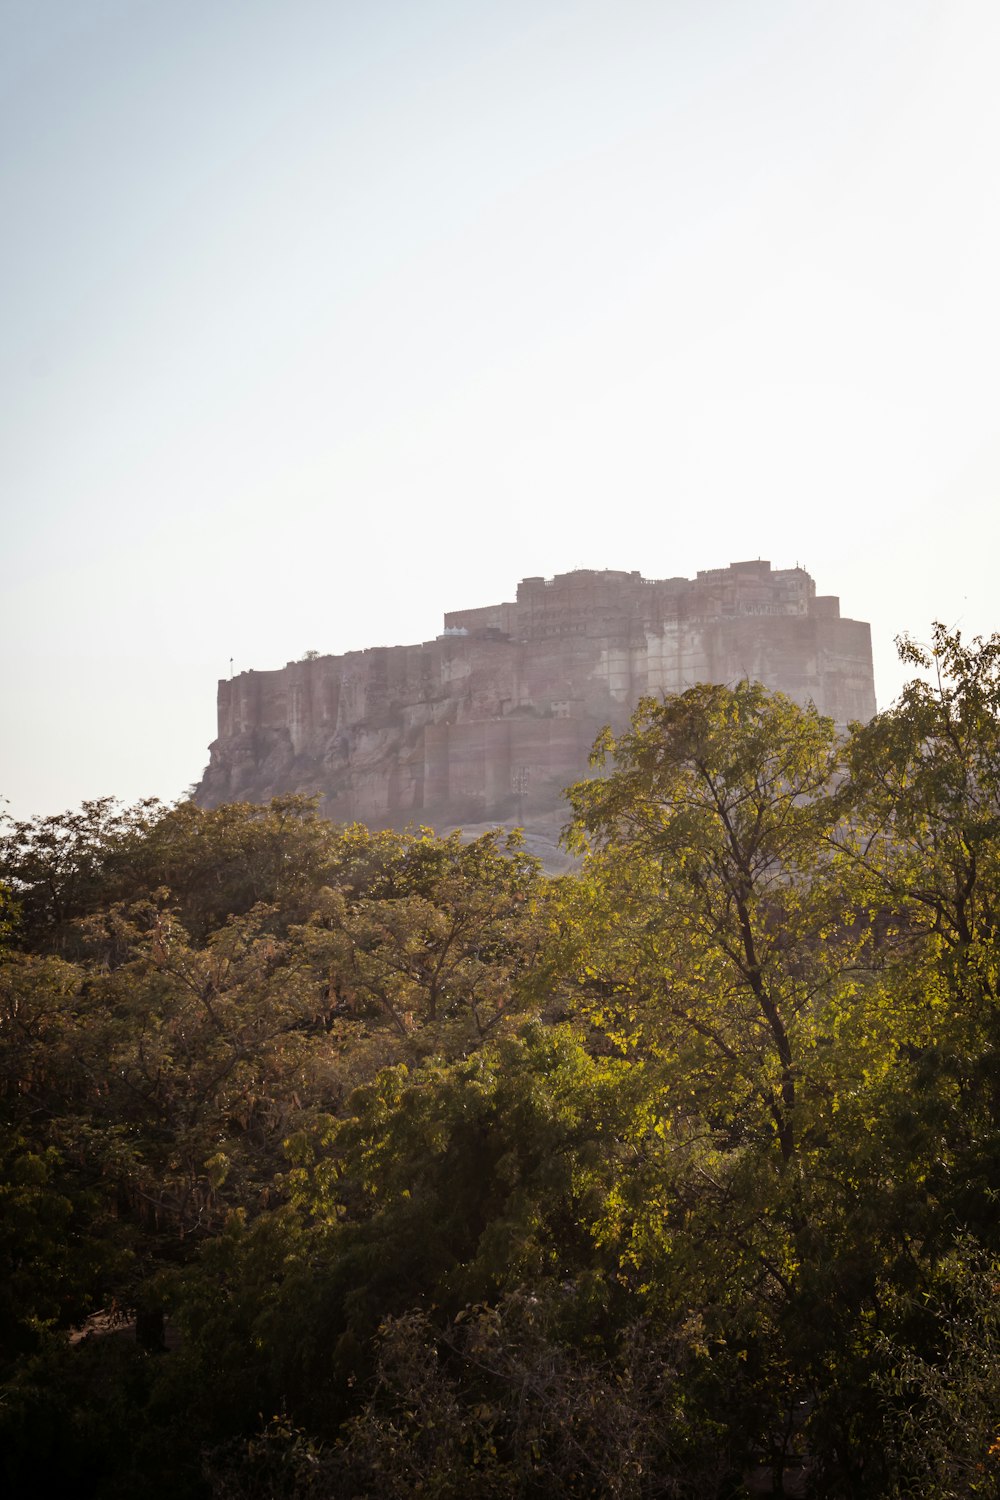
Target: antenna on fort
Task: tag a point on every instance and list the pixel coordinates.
(230, 669)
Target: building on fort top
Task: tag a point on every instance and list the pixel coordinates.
(487, 723)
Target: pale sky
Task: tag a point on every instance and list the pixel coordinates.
(320, 319)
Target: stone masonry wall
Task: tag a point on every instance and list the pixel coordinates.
(487, 723)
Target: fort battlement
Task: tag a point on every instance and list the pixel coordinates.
(491, 720)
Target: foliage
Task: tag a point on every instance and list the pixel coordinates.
(346, 1162)
(446, 932)
(940, 1386)
(494, 1405)
(718, 809)
(926, 780)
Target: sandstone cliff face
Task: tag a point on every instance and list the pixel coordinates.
(490, 721)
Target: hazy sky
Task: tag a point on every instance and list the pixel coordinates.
(321, 319)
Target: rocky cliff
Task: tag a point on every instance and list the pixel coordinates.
(487, 723)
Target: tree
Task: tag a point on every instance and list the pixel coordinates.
(722, 927)
(712, 829)
(57, 868)
(939, 1379)
(444, 932)
(216, 864)
(922, 831)
(924, 795)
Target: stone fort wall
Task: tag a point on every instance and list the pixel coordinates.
(487, 723)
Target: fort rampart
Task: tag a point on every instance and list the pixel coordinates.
(487, 723)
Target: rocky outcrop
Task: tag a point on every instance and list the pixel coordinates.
(487, 723)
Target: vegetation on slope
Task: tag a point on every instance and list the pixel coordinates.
(406, 1170)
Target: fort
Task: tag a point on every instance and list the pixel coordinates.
(489, 722)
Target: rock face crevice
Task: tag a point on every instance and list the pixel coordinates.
(488, 723)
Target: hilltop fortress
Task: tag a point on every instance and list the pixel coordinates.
(487, 723)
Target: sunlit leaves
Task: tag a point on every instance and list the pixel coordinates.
(716, 916)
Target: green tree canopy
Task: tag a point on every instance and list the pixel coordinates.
(714, 820)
